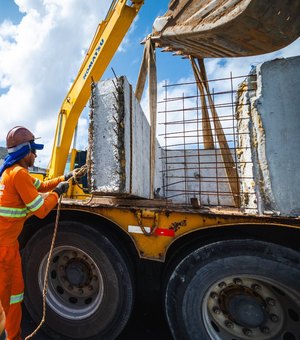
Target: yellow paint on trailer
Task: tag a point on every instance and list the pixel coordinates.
(182, 221)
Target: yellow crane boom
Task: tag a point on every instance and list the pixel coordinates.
(107, 39)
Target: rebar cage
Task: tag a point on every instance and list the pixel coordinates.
(201, 140)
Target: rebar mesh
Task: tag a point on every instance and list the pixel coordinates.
(194, 155)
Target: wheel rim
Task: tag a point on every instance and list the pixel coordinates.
(75, 283)
(250, 308)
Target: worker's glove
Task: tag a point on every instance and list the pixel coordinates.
(61, 188)
(76, 173)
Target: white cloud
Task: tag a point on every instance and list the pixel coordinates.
(39, 58)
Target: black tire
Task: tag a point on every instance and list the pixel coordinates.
(238, 289)
(90, 291)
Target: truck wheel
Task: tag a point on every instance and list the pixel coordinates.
(238, 289)
(90, 289)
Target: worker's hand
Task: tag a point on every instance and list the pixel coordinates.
(76, 173)
(68, 175)
(61, 188)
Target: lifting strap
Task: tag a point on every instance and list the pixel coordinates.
(208, 139)
(230, 166)
(148, 67)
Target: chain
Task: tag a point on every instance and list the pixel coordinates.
(138, 215)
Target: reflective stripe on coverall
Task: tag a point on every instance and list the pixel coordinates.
(19, 197)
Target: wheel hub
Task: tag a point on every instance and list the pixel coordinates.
(77, 273)
(244, 308)
(75, 288)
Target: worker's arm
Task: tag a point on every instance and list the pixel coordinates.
(47, 186)
(35, 202)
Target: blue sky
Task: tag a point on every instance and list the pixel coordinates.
(9, 11)
(43, 42)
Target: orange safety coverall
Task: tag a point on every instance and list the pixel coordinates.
(2, 319)
(19, 197)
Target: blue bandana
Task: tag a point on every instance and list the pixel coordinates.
(17, 153)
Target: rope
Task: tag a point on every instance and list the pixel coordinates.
(79, 173)
(47, 270)
(76, 174)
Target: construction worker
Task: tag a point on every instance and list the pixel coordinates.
(19, 197)
(2, 323)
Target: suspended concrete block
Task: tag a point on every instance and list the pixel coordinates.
(227, 28)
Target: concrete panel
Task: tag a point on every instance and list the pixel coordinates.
(274, 144)
(120, 155)
(120, 142)
(197, 174)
